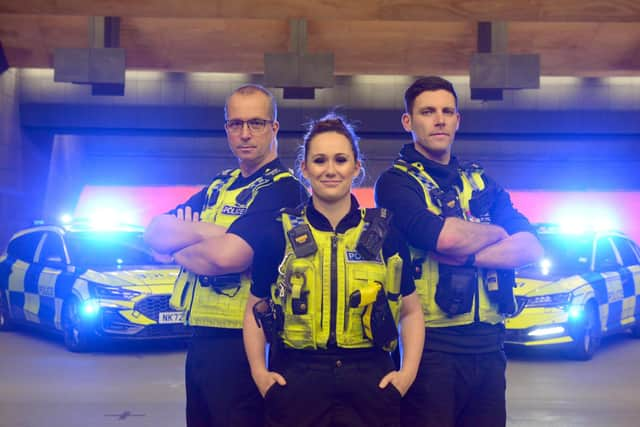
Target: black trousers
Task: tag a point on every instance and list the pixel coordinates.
(457, 390)
(220, 390)
(332, 390)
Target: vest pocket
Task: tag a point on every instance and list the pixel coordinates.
(362, 290)
(182, 290)
(299, 305)
(456, 289)
(393, 284)
(426, 288)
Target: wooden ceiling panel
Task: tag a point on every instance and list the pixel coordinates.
(383, 47)
(202, 44)
(580, 49)
(573, 37)
(379, 10)
(29, 40)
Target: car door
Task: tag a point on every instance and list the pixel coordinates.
(22, 276)
(55, 280)
(607, 263)
(630, 277)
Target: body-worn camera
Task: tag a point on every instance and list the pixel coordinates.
(372, 238)
(302, 241)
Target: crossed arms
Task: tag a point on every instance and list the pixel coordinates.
(196, 245)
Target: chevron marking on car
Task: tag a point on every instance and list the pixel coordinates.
(599, 286)
(16, 278)
(31, 307)
(628, 286)
(63, 288)
(31, 278)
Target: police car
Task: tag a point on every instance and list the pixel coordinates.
(587, 286)
(88, 284)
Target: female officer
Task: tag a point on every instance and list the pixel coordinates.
(330, 305)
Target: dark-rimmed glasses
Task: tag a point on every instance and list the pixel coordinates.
(255, 125)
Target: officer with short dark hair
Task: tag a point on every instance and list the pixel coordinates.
(466, 239)
(201, 235)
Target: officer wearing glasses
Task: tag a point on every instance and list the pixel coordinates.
(201, 236)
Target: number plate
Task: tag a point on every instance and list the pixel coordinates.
(171, 317)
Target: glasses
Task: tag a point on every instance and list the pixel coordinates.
(255, 125)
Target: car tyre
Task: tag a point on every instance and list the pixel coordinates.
(588, 338)
(5, 314)
(78, 338)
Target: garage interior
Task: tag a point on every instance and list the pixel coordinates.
(145, 108)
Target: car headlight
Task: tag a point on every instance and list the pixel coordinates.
(114, 292)
(551, 300)
(89, 309)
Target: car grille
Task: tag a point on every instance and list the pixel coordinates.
(116, 325)
(153, 305)
(169, 331)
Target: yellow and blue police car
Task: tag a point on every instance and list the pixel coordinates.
(586, 286)
(88, 284)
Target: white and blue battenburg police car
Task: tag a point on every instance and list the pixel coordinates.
(88, 283)
(587, 286)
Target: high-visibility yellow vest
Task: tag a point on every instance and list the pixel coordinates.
(487, 311)
(210, 305)
(314, 291)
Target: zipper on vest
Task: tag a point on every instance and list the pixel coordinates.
(334, 290)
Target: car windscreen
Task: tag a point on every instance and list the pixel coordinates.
(107, 249)
(564, 255)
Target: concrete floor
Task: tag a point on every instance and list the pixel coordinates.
(42, 384)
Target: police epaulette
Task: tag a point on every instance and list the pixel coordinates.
(416, 167)
(401, 162)
(268, 178)
(226, 173)
(297, 211)
(471, 167)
